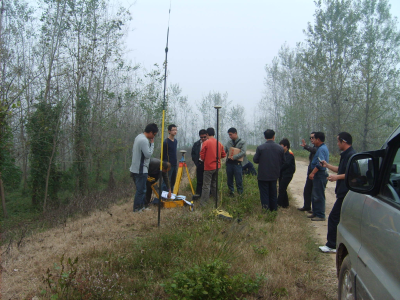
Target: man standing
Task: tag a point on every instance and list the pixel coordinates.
(270, 157)
(208, 154)
(154, 175)
(143, 148)
(197, 160)
(234, 162)
(309, 183)
(287, 170)
(319, 176)
(169, 154)
(344, 142)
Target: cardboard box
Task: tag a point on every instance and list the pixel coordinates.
(234, 151)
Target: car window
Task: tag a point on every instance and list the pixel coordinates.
(391, 189)
(361, 173)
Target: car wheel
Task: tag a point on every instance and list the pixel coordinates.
(346, 284)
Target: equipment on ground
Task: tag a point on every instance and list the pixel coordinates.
(182, 164)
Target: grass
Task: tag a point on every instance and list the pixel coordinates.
(259, 255)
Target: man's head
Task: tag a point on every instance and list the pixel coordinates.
(312, 137)
(210, 131)
(151, 131)
(269, 134)
(166, 166)
(319, 138)
(203, 135)
(344, 141)
(172, 129)
(232, 133)
(285, 144)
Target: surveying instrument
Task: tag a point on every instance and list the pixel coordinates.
(182, 164)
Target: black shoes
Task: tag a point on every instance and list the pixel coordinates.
(303, 209)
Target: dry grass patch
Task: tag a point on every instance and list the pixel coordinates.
(122, 255)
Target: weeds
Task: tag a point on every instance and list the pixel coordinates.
(211, 281)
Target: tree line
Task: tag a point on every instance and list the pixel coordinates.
(343, 77)
(71, 102)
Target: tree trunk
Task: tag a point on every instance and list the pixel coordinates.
(3, 198)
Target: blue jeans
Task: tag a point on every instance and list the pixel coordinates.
(140, 195)
(231, 171)
(268, 194)
(172, 178)
(318, 194)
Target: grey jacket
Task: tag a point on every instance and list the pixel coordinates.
(241, 144)
(141, 153)
(270, 157)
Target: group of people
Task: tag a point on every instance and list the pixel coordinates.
(317, 178)
(276, 164)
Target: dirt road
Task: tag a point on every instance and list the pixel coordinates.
(296, 187)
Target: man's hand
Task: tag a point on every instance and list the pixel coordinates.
(311, 176)
(151, 141)
(169, 194)
(333, 177)
(303, 143)
(323, 163)
(230, 157)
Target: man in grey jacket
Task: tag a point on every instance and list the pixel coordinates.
(143, 148)
(233, 165)
(270, 157)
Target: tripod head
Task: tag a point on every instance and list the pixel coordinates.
(183, 155)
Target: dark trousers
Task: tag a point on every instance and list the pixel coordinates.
(283, 199)
(234, 171)
(140, 183)
(333, 222)
(268, 194)
(149, 191)
(318, 194)
(307, 193)
(172, 178)
(199, 176)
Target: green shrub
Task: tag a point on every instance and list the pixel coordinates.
(210, 281)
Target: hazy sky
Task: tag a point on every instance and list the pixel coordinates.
(218, 45)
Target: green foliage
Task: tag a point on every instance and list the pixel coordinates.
(280, 292)
(42, 129)
(260, 250)
(211, 281)
(10, 173)
(60, 284)
(82, 139)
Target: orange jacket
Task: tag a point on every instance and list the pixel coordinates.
(208, 154)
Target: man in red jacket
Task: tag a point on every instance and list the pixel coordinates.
(208, 154)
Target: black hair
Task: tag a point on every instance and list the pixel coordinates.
(210, 131)
(171, 126)
(269, 134)
(312, 132)
(345, 137)
(166, 165)
(320, 135)
(151, 128)
(202, 131)
(285, 142)
(232, 130)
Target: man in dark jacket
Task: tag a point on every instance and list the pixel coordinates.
(287, 170)
(270, 157)
(309, 183)
(197, 160)
(344, 142)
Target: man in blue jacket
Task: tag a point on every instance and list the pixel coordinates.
(270, 157)
(319, 177)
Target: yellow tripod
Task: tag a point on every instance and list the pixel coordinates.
(182, 164)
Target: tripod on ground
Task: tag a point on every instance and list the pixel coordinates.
(182, 164)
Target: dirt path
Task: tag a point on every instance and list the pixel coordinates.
(296, 187)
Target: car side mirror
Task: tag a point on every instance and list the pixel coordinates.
(362, 173)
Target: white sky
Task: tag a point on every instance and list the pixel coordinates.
(219, 45)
